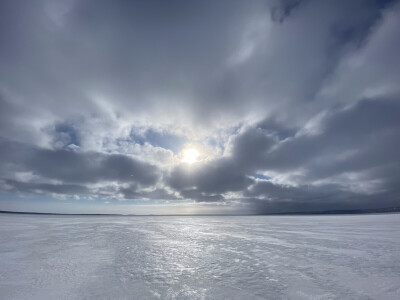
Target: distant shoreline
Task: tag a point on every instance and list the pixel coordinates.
(327, 212)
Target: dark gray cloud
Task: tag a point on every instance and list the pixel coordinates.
(134, 192)
(215, 177)
(284, 9)
(72, 169)
(367, 131)
(266, 197)
(30, 187)
(90, 167)
(355, 148)
(293, 104)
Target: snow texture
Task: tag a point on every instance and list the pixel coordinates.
(202, 257)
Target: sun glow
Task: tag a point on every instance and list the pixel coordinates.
(190, 155)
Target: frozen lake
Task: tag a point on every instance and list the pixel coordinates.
(257, 257)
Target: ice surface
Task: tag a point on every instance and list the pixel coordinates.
(257, 257)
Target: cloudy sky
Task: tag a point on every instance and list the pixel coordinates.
(172, 107)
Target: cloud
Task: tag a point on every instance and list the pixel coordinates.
(217, 176)
(352, 149)
(71, 169)
(91, 167)
(30, 187)
(294, 104)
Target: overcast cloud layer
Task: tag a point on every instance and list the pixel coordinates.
(293, 105)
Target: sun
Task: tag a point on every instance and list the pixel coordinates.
(190, 155)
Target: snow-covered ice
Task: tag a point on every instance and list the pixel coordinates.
(202, 257)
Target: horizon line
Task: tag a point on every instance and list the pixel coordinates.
(325, 212)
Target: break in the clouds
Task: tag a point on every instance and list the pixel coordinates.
(214, 106)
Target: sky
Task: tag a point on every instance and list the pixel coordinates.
(199, 107)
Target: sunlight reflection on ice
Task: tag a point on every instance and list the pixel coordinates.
(300, 257)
